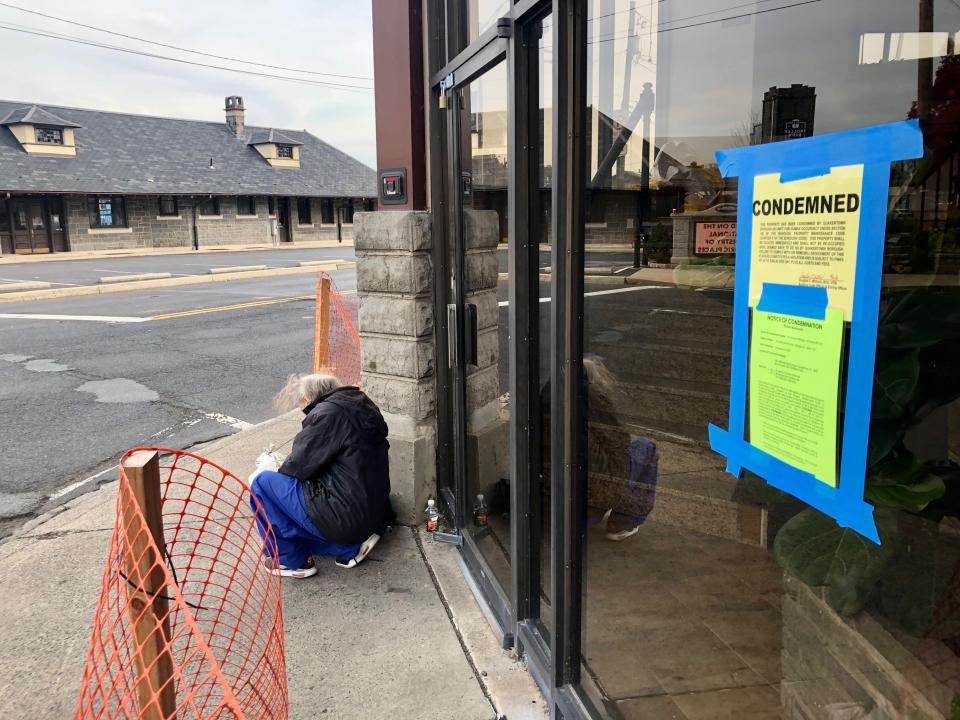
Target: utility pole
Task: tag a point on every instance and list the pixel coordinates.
(632, 42)
(925, 64)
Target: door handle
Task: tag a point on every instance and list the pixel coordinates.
(470, 334)
(451, 335)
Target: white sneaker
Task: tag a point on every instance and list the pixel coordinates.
(309, 569)
(369, 544)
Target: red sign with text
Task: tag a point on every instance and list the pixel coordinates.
(716, 237)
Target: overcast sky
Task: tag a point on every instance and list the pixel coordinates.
(331, 36)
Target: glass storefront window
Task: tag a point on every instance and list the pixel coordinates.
(477, 16)
(707, 596)
(483, 188)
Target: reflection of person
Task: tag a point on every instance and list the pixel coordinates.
(622, 469)
(331, 495)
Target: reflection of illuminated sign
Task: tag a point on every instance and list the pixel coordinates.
(716, 237)
(794, 129)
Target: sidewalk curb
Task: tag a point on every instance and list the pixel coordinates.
(56, 293)
(57, 504)
(14, 259)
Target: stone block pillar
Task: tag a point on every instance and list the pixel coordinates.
(488, 421)
(394, 284)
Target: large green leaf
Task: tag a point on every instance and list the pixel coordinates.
(884, 436)
(812, 547)
(913, 497)
(901, 482)
(918, 317)
(894, 383)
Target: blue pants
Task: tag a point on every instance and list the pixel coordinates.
(297, 538)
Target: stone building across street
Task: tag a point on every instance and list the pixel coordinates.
(73, 179)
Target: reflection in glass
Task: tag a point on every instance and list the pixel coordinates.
(481, 15)
(707, 596)
(484, 177)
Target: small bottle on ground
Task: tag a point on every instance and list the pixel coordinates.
(432, 517)
(480, 513)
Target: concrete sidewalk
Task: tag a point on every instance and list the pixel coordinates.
(11, 259)
(398, 637)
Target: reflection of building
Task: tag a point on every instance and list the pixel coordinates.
(787, 114)
(84, 179)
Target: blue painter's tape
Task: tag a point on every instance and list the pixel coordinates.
(875, 148)
(800, 300)
(855, 514)
(794, 174)
(877, 144)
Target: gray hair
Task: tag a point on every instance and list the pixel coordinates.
(304, 389)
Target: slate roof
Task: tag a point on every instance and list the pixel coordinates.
(269, 135)
(140, 154)
(36, 115)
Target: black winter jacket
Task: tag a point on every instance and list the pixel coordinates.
(340, 458)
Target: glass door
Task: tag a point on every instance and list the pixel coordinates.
(478, 322)
(493, 135)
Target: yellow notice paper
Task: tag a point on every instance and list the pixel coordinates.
(794, 384)
(805, 233)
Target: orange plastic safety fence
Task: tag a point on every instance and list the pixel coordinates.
(336, 345)
(189, 625)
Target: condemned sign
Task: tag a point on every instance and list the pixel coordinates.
(716, 237)
(805, 233)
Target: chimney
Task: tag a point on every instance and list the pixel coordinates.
(234, 108)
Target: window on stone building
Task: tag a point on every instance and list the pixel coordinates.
(107, 211)
(326, 211)
(49, 136)
(285, 151)
(209, 206)
(246, 205)
(271, 206)
(303, 211)
(348, 212)
(168, 206)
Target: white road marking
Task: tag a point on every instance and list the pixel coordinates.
(79, 483)
(118, 272)
(227, 420)
(595, 293)
(81, 318)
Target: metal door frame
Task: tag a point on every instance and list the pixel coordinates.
(554, 661)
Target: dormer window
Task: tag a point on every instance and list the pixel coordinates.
(276, 148)
(40, 132)
(49, 136)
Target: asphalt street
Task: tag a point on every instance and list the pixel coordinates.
(609, 261)
(74, 394)
(66, 273)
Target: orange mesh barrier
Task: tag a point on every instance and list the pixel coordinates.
(189, 622)
(336, 343)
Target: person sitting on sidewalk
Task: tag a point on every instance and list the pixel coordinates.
(331, 496)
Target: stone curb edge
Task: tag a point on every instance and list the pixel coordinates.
(58, 504)
(14, 259)
(55, 293)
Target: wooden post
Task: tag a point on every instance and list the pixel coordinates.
(321, 332)
(146, 587)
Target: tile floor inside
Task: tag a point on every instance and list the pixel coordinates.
(680, 624)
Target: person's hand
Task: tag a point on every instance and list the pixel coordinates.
(268, 461)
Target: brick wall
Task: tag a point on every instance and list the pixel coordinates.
(147, 229)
